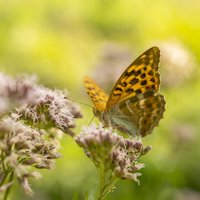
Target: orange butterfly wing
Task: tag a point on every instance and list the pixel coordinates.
(140, 77)
(97, 95)
(139, 117)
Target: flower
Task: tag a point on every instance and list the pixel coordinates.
(125, 156)
(112, 152)
(36, 104)
(23, 147)
(32, 120)
(98, 144)
(15, 91)
(50, 109)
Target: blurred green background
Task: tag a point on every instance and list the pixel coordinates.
(61, 41)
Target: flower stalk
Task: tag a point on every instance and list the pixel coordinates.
(9, 188)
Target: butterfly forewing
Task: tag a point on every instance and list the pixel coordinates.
(97, 95)
(138, 79)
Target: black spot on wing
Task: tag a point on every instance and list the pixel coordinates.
(148, 93)
(138, 72)
(143, 75)
(150, 72)
(123, 84)
(133, 72)
(134, 81)
(138, 91)
(129, 90)
(144, 82)
(117, 94)
(118, 89)
(153, 80)
(128, 74)
(148, 87)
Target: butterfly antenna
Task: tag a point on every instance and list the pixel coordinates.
(80, 103)
(91, 120)
(85, 105)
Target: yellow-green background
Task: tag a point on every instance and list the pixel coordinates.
(60, 41)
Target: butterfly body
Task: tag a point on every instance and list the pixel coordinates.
(134, 105)
(114, 118)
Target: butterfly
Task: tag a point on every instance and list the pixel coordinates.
(134, 105)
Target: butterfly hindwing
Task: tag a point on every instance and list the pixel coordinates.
(97, 95)
(152, 110)
(140, 77)
(138, 117)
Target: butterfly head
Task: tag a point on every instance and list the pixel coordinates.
(96, 112)
(103, 116)
(99, 114)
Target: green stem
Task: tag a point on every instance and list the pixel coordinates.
(102, 177)
(2, 161)
(5, 172)
(108, 188)
(105, 189)
(9, 188)
(86, 196)
(4, 178)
